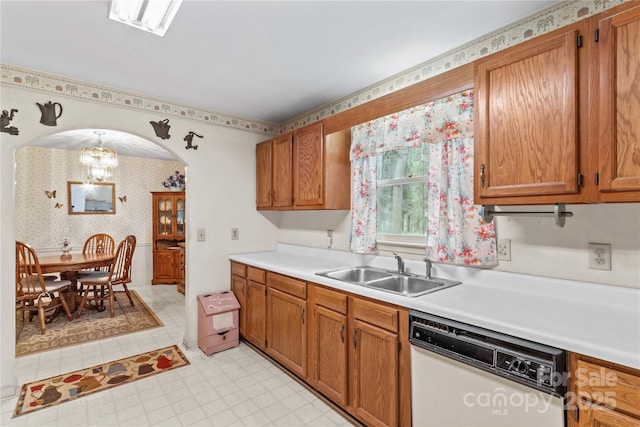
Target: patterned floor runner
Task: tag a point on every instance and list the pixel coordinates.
(52, 391)
(91, 326)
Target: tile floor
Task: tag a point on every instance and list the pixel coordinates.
(236, 387)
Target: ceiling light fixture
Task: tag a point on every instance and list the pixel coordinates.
(99, 160)
(153, 16)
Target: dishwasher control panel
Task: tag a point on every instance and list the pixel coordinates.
(529, 363)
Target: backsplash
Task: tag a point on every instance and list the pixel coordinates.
(538, 246)
(40, 224)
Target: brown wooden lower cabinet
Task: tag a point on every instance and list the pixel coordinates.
(351, 349)
(256, 305)
(602, 394)
(287, 330)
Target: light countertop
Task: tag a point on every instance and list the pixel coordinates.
(596, 320)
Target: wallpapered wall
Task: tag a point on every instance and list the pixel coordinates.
(40, 224)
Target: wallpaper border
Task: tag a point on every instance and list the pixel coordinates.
(547, 20)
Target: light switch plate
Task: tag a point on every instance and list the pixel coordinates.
(235, 233)
(201, 235)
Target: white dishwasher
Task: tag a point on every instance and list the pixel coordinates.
(463, 375)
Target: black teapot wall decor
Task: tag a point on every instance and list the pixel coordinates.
(189, 139)
(161, 128)
(48, 111)
(6, 119)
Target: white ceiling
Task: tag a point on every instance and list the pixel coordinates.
(260, 60)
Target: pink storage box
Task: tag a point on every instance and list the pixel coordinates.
(217, 322)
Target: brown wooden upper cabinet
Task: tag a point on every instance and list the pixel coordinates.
(619, 81)
(558, 117)
(304, 170)
(274, 181)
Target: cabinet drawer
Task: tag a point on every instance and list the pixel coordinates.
(256, 275)
(219, 342)
(238, 269)
(289, 285)
(377, 314)
(609, 387)
(332, 300)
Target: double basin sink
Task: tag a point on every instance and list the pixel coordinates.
(385, 280)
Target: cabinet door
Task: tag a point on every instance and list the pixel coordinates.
(164, 266)
(238, 286)
(163, 216)
(599, 416)
(619, 151)
(263, 175)
(282, 171)
(179, 216)
(374, 374)
(308, 166)
(287, 330)
(330, 354)
(526, 138)
(256, 314)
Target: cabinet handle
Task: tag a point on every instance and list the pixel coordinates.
(243, 289)
(355, 343)
(269, 196)
(274, 195)
(482, 175)
(319, 191)
(302, 315)
(342, 333)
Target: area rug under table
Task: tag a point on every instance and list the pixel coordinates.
(72, 385)
(91, 326)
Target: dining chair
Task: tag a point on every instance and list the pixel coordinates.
(32, 289)
(99, 243)
(99, 286)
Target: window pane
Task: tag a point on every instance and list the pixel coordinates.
(403, 163)
(402, 209)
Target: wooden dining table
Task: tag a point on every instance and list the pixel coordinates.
(69, 266)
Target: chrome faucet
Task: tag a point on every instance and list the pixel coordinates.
(400, 263)
(428, 265)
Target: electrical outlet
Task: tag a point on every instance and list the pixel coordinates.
(600, 256)
(200, 235)
(504, 249)
(235, 233)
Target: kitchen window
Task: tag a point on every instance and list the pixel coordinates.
(412, 184)
(402, 196)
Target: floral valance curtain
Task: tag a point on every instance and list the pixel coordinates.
(455, 231)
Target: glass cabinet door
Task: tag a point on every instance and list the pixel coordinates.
(165, 216)
(180, 217)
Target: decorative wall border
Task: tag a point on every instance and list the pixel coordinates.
(24, 78)
(547, 20)
(552, 18)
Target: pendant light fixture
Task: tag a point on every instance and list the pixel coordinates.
(99, 160)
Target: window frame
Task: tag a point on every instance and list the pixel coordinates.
(391, 239)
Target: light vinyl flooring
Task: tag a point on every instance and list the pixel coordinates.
(236, 387)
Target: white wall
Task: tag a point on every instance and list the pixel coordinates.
(220, 195)
(538, 246)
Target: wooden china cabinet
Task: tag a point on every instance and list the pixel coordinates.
(168, 233)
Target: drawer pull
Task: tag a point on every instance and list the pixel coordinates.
(342, 333)
(355, 343)
(302, 315)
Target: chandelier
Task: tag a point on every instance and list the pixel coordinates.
(99, 160)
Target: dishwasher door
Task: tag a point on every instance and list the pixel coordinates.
(448, 393)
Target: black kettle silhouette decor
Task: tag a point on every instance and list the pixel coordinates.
(48, 111)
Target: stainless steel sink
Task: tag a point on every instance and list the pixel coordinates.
(357, 274)
(385, 280)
